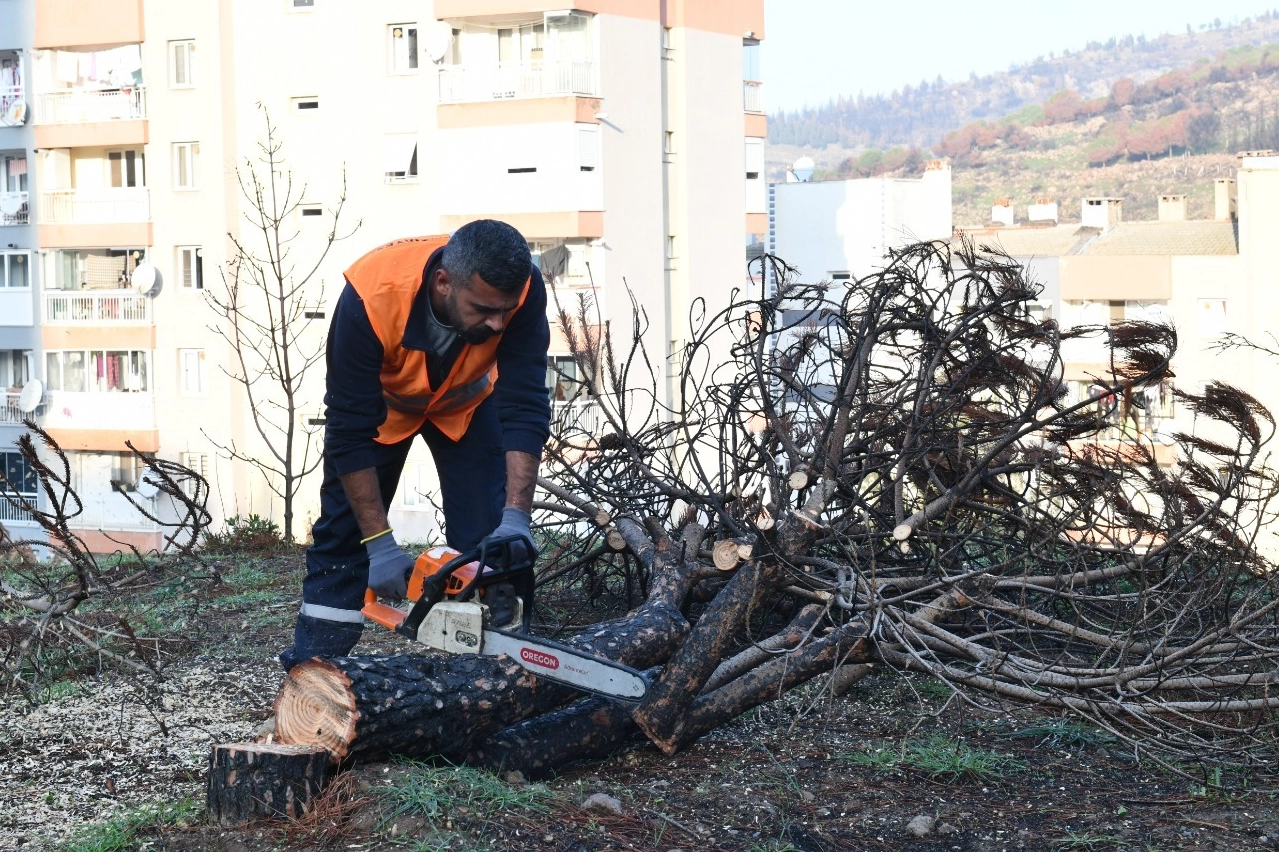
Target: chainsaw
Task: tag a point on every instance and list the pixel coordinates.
(481, 602)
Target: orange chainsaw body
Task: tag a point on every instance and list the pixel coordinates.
(429, 563)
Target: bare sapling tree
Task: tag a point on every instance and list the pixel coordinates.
(891, 475)
(47, 586)
(272, 285)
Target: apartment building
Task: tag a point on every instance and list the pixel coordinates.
(624, 139)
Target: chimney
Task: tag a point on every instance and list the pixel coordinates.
(1226, 194)
(1043, 211)
(1172, 208)
(1102, 212)
(1002, 212)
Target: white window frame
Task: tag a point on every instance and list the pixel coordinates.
(393, 147)
(588, 148)
(130, 158)
(305, 104)
(192, 372)
(403, 52)
(7, 260)
(16, 367)
(186, 159)
(1212, 317)
(182, 63)
(197, 462)
(53, 377)
(189, 267)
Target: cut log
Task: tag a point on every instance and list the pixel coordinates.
(724, 555)
(249, 781)
(616, 540)
(798, 480)
(418, 705)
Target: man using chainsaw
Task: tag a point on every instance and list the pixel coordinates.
(443, 337)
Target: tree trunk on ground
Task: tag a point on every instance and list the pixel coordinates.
(249, 781)
(367, 708)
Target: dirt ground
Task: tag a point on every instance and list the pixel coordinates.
(897, 764)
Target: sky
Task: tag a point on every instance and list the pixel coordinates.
(816, 50)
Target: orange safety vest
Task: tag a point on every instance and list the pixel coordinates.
(387, 279)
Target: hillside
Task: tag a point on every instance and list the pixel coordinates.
(1171, 133)
(920, 115)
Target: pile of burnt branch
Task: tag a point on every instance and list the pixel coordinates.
(844, 479)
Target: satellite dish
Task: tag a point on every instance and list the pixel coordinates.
(803, 169)
(16, 114)
(439, 36)
(146, 279)
(29, 398)
(146, 489)
(10, 204)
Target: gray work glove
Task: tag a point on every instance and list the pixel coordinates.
(389, 567)
(515, 522)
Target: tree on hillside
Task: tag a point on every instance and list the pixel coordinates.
(267, 309)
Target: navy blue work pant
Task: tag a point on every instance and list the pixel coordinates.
(472, 475)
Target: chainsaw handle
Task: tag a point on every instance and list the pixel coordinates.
(385, 615)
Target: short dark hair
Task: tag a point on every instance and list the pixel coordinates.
(494, 250)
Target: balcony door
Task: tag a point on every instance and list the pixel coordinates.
(126, 168)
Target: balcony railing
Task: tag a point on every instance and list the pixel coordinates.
(95, 308)
(95, 206)
(113, 512)
(9, 95)
(11, 413)
(80, 106)
(513, 80)
(15, 208)
(580, 415)
(752, 96)
(11, 514)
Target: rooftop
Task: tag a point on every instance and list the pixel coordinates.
(1183, 238)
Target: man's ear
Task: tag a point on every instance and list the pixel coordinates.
(441, 283)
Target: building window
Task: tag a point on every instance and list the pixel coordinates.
(671, 248)
(127, 471)
(399, 157)
(308, 210)
(841, 275)
(191, 371)
(182, 64)
(302, 5)
(15, 174)
(20, 482)
(588, 148)
(190, 267)
(126, 168)
(186, 157)
(15, 270)
(15, 368)
(750, 60)
(754, 158)
(668, 48)
(98, 370)
(1211, 316)
(306, 103)
(668, 142)
(403, 48)
(196, 463)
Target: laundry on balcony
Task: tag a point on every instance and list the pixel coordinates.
(105, 272)
(114, 68)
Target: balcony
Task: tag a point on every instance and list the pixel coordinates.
(578, 416)
(110, 206)
(752, 96)
(110, 307)
(15, 208)
(86, 106)
(516, 81)
(10, 95)
(11, 514)
(78, 218)
(10, 412)
(77, 118)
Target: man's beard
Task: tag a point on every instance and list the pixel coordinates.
(476, 335)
